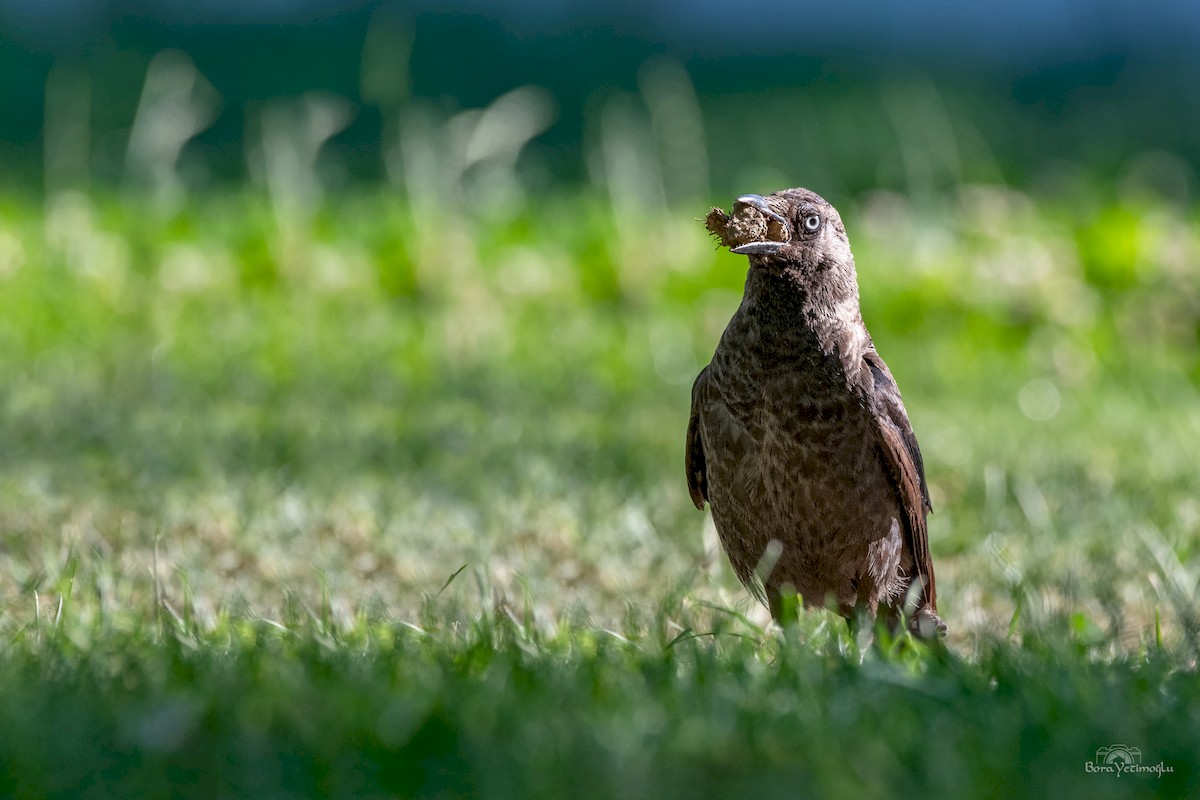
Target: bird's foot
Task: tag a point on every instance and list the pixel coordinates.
(927, 625)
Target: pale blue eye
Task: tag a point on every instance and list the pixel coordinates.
(812, 222)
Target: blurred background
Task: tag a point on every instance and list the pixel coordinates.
(847, 97)
(305, 305)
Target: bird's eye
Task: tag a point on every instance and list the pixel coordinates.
(812, 222)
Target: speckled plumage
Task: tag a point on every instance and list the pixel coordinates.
(798, 435)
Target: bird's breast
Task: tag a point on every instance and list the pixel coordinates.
(795, 441)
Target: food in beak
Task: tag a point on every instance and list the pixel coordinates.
(752, 222)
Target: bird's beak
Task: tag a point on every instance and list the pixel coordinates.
(757, 248)
(759, 203)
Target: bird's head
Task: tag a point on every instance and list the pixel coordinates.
(793, 228)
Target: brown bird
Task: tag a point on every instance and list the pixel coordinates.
(798, 438)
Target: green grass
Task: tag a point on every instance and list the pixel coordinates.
(245, 451)
(495, 710)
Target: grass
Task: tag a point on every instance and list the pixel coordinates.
(387, 499)
(495, 710)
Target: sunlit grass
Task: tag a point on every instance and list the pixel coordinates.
(243, 456)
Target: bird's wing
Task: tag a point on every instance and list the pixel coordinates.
(902, 457)
(697, 472)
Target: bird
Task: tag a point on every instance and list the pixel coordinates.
(798, 439)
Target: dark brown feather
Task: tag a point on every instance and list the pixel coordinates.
(697, 475)
(902, 456)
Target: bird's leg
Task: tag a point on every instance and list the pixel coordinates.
(784, 603)
(925, 624)
(860, 619)
(922, 621)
